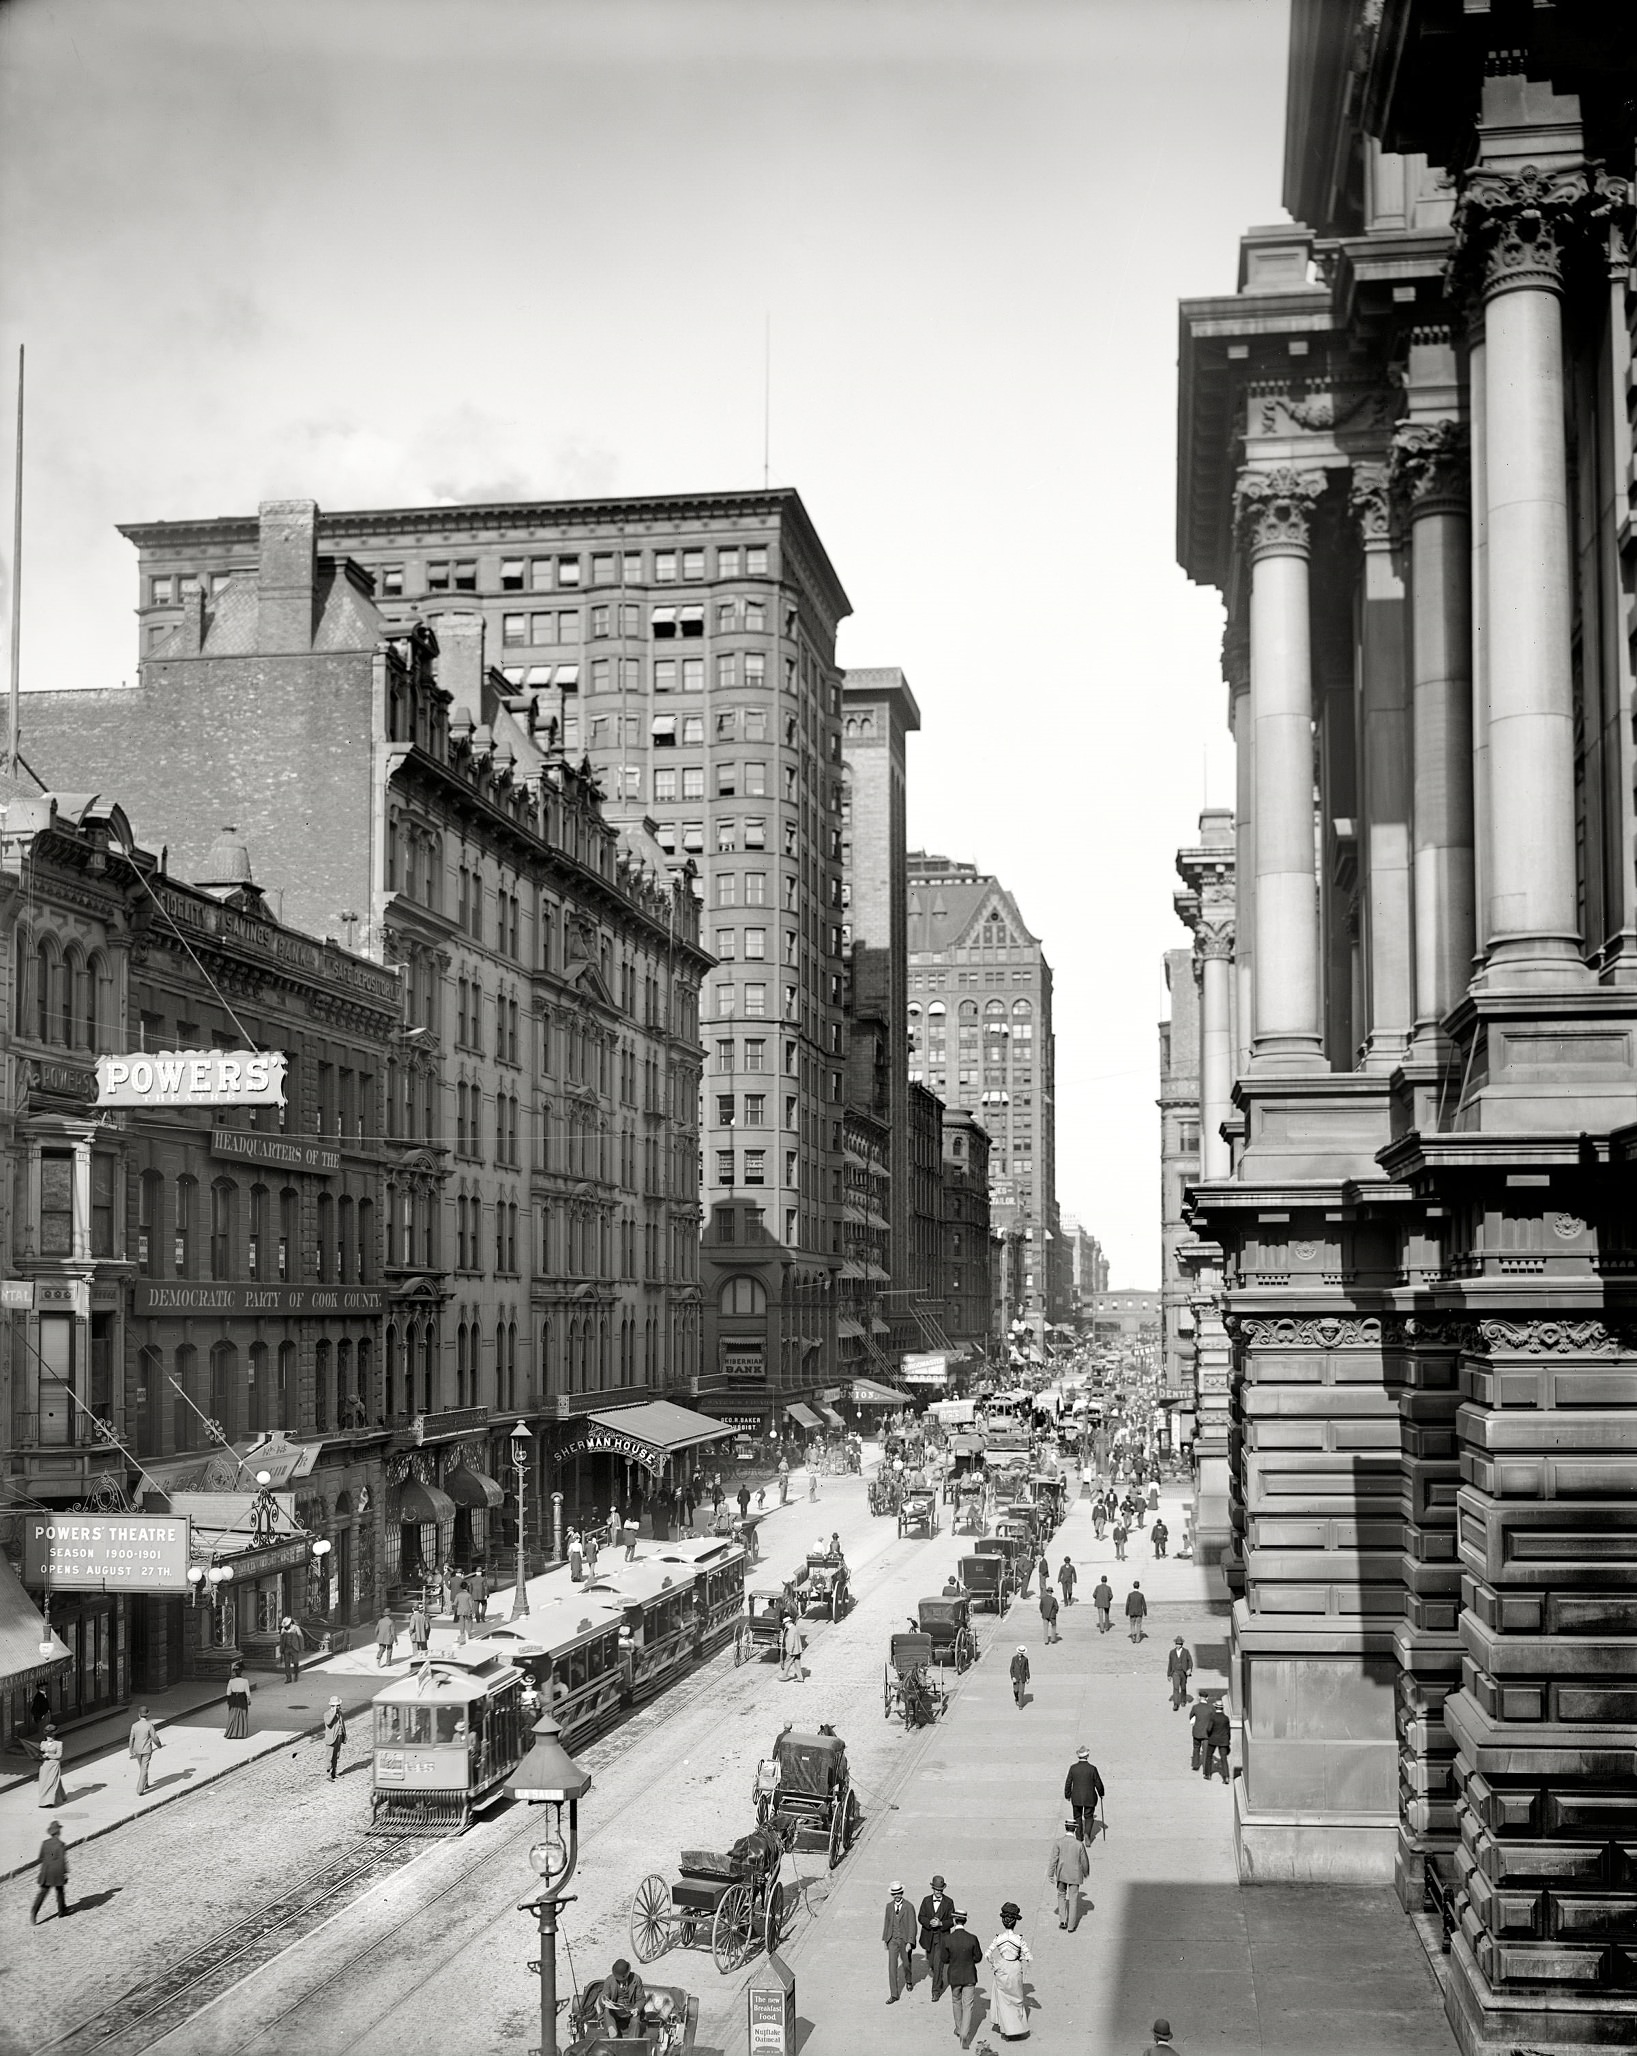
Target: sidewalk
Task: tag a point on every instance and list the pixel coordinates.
(99, 1777)
(1169, 1930)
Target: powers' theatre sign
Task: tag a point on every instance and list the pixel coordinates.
(192, 1078)
(106, 1552)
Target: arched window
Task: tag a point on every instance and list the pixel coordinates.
(150, 1202)
(326, 1234)
(223, 1194)
(743, 1295)
(321, 1387)
(366, 1241)
(285, 1386)
(390, 1368)
(511, 1365)
(500, 1366)
(70, 978)
(344, 1251)
(187, 1196)
(45, 979)
(366, 1396)
(256, 1395)
(224, 1389)
(1022, 1009)
(935, 1013)
(392, 1099)
(184, 1422)
(429, 1367)
(346, 1399)
(969, 1010)
(460, 1365)
(255, 1241)
(994, 1009)
(289, 1249)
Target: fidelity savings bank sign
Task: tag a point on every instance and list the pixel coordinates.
(192, 1078)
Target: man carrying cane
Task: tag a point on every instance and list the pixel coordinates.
(1178, 1665)
(1082, 1788)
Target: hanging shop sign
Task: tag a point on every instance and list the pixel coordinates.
(49, 1080)
(105, 1552)
(931, 1367)
(17, 1295)
(609, 1441)
(192, 1078)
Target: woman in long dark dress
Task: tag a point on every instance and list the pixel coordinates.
(238, 1705)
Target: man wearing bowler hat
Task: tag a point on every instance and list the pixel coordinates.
(936, 1917)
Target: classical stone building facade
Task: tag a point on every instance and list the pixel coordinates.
(1179, 1168)
(968, 1293)
(1406, 464)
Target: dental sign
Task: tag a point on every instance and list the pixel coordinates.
(192, 1078)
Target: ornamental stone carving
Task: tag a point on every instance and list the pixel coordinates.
(1370, 502)
(1327, 1331)
(1552, 1338)
(1236, 656)
(1213, 939)
(1518, 229)
(1273, 509)
(1429, 467)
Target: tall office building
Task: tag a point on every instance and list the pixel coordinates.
(686, 646)
(980, 1036)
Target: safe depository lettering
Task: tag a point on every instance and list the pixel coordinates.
(107, 1552)
(192, 1078)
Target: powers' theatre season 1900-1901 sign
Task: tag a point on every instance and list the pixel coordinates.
(106, 1552)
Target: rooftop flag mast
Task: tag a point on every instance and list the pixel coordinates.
(17, 576)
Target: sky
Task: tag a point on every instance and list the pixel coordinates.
(379, 252)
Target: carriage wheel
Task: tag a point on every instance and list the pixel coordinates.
(965, 1654)
(773, 1926)
(651, 1932)
(835, 1601)
(732, 1929)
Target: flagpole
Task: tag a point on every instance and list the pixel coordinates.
(17, 576)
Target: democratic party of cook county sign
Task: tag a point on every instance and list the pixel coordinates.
(192, 1078)
(106, 1551)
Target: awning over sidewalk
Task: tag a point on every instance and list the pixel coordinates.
(420, 1505)
(22, 1634)
(803, 1416)
(647, 1434)
(866, 1392)
(831, 1415)
(467, 1487)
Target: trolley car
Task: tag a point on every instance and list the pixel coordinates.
(719, 1568)
(660, 1634)
(446, 1739)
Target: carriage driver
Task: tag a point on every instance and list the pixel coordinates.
(620, 2002)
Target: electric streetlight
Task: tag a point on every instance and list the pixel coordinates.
(521, 1439)
(548, 1776)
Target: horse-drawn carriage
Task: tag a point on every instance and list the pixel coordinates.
(919, 1511)
(665, 2027)
(947, 1622)
(732, 1898)
(762, 1627)
(885, 1491)
(986, 1580)
(969, 1498)
(804, 1792)
(909, 1686)
(1049, 1494)
(824, 1586)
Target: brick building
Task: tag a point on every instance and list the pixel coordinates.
(686, 645)
(968, 1296)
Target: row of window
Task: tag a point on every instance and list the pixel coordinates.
(469, 1126)
(62, 996)
(469, 1011)
(993, 1010)
(169, 1225)
(562, 572)
(469, 1235)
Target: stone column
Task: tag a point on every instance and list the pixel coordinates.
(1478, 401)
(1236, 670)
(1214, 943)
(1384, 779)
(1430, 473)
(1275, 510)
(1512, 231)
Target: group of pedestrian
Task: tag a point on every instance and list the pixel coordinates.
(1213, 1736)
(953, 1954)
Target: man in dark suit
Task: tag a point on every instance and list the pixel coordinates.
(962, 1954)
(1082, 1788)
(937, 1917)
(898, 1936)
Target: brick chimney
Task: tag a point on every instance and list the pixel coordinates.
(286, 575)
(460, 659)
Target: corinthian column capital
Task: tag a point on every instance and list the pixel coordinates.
(1519, 229)
(1370, 502)
(1213, 939)
(1429, 467)
(1273, 509)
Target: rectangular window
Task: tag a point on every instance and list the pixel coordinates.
(693, 836)
(437, 578)
(724, 1110)
(631, 567)
(663, 731)
(602, 568)
(511, 574)
(724, 1000)
(601, 676)
(755, 1166)
(539, 574)
(102, 1205)
(690, 622)
(727, 616)
(513, 628)
(162, 591)
(727, 837)
(662, 624)
(726, 941)
(693, 565)
(693, 782)
(724, 1167)
(693, 731)
(756, 1000)
(568, 572)
(56, 1202)
(466, 575)
(664, 567)
(542, 627)
(664, 674)
(755, 1109)
(727, 563)
(727, 781)
(601, 624)
(755, 1053)
(790, 1167)
(755, 668)
(755, 887)
(756, 561)
(756, 944)
(727, 889)
(755, 835)
(392, 581)
(727, 671)
(693, 674)
(755, 781)
(755, 616)
(664, 785)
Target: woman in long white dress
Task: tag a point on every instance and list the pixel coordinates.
(1008, 1953)
(50, 1750)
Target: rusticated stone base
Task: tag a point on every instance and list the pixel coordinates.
(1559, 2024)
(1330, 1848)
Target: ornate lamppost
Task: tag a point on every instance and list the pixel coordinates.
(548, 1776)
(521, 1440)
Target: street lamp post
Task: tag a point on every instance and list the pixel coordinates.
(548, 1776)
(521, 1439)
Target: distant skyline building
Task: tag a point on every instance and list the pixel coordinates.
(980, 1035)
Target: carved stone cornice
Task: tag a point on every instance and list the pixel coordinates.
(1554, 1338)
(1429, 468)
(1236, 656)
(1322, 1331)
(1273, 510)
(1520, 229)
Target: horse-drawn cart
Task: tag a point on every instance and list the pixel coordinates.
(919, 1511)
(909, 1687)
(731, 1897)
(804, 1792)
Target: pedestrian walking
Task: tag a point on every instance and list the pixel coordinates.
(292, 1643)
(1008, 1953)
(465, 1614)
(1136, 1608)
(812, 1486)
(1043, 1571)
(49, 1749)
(935, 1918)
(689, 1504)
(1099, 1518)
(744, 1500)
(386, 1639)
(335, 1733)
(1067, 1868)
(1066, 1579)
(898, 1935)
(1121, 1531)
(1048, 1612)
(1178, 1665)
(52, 1875)
(238, 1705)
(1102, 1597)
(144, 1741)
(1159, 1536)
(1020, 1674)
(784, 1480)
(1218, 1743)
(39, 1708)
(1162, 2044)
(1200, 1726)
(480, 1593)
(962, 1954)
(591, 1547)
(791, 1667)
(1154, 1490)
(420, 1628)
(1082, 1788)
(633, 1530)
(716, 1493)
